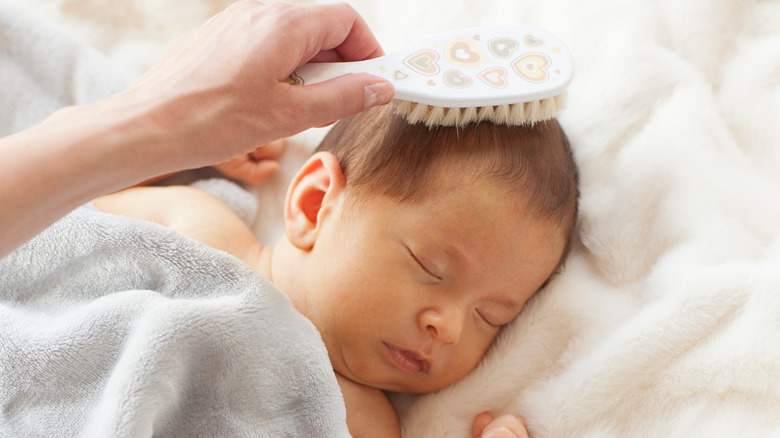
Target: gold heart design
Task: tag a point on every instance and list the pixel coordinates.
(423, 62)
(502, 47)
(532, 67)
(400, 75)
(532, 41)
(294, 79)
(495, 77)
(462, 52)
(431, 83)
(456, 79)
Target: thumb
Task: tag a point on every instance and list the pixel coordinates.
(344, 96)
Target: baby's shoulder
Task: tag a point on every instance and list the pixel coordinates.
(190, 211)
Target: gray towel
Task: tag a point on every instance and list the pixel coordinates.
(111, 326)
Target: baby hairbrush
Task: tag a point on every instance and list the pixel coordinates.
(510, 75)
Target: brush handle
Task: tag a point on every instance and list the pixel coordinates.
(467, 68)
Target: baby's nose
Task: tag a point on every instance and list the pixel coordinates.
(444, 325)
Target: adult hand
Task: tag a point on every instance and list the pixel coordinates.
(234, 71)
(505, 426)
(217, 93)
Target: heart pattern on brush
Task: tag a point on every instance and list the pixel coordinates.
(424, 62)
(467, 54)
(495, 77)
(532, 67)
(400, 75)
(502, 47)
(462, 52)
(532, 41)
(456, 79)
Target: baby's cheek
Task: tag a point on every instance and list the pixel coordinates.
(465, 358)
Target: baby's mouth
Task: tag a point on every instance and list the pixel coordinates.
(406, 360)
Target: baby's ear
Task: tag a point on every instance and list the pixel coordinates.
(311, 196)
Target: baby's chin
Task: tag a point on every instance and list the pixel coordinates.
(405, 386)
(403, 377)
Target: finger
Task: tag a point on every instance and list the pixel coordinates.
(327, 32)
(262, 171)
(480, 422)
(325, 125)
(268, 151)
(247, 171)
(498, 432)
(347, 34)
(259, 172)
(340, 97)
(340, 54)
(506, 426)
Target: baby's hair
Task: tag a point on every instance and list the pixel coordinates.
(381, 153)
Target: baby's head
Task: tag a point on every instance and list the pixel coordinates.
(410, 248)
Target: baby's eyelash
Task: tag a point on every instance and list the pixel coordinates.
(487, 321)
(419, 263)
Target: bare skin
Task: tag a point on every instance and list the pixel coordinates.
(201, 216)
(218, 93)
(253, 168)
(417, 292)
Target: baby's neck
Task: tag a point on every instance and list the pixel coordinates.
(282, 265)
(263, 262)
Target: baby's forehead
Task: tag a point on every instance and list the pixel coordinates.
(474, 178)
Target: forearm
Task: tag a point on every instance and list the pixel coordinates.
(74, 156)
(219, 92)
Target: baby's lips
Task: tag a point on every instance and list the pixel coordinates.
(409, 360)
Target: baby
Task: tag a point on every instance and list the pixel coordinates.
(408, 248)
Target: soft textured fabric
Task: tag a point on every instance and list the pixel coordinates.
(666, 319)
(43, 69)
(111, 326)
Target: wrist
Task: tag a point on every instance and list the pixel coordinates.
(134, 135)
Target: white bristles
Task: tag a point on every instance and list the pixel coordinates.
(533, 110)
(526, 113)
(451, 118)
(469, 113)
(437, 113)
(484, 113)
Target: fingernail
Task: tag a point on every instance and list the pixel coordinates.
(499, 432)
(378, 93)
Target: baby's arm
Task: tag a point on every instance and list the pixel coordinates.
(190, 211)
(255, 167)
(369, 411)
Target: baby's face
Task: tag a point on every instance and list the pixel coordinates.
(409, 296)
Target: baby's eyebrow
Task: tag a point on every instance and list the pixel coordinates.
(456, 256)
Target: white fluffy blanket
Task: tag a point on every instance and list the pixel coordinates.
(666, 321)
